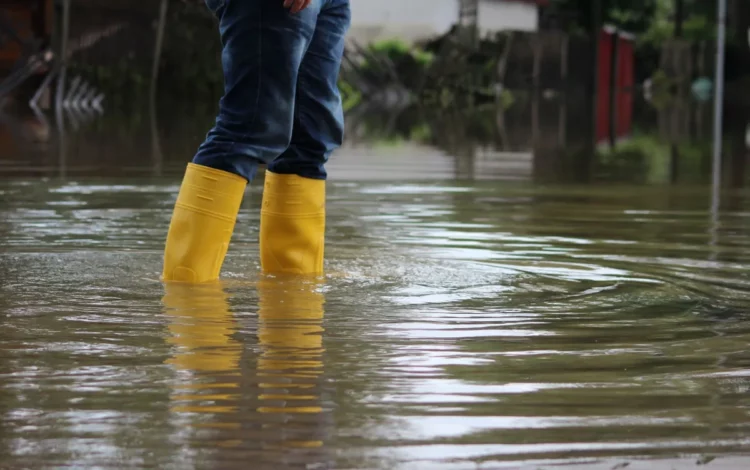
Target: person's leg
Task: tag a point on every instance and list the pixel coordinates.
(263, 46)
(318, 116)
(293, 212)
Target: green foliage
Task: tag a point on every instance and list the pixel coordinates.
(507, 99)
(398, 50)
(648, 158)
(652, 21)
(698, 24)
(421, 133)
(662, 86)
(350, 96)
(643, 156)
(631, 15)
(392, 48)
(408, 63)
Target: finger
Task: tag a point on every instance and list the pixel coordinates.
(300, 5)
(288, 3)
(297, 6)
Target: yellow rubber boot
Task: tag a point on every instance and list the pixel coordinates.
(292, 225)
(202, 224)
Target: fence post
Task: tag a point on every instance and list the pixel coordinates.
(158, 46)
(65, 36)
(719, 94)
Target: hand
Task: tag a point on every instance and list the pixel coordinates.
(296, 6)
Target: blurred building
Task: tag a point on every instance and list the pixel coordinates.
(413, 20)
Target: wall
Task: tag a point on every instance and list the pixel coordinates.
(498, 16)
(417, 19)
(407, 19)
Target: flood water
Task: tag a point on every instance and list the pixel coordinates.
(460, 325)
(475, 313)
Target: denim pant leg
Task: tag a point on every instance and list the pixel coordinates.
(318, 115)
(263, 47)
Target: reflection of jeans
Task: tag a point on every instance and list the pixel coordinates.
(281, 105)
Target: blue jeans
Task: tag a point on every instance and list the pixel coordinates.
(281, 105)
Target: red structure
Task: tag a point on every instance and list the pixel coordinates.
(615, 85)
(625, 85)
(24, 22)
(25, 37)
(604, 85)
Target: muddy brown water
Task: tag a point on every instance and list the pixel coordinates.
(481, 324)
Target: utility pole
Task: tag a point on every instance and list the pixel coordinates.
(719, 99)
(158, 46)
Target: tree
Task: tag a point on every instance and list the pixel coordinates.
(634, 16)
(693, 20)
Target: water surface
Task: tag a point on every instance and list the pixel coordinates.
(460, 325)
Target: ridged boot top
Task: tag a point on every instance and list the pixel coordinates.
(292, 195)
(212, 192)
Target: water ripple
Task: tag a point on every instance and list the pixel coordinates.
(458, 326)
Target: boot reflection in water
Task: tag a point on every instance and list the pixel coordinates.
(290, 366)
(202, 326)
